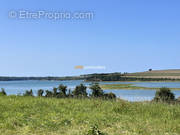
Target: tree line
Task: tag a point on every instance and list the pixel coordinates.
(122, 77)
(91, 77)
(62, 91)
(162, 95)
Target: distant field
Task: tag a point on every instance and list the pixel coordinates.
(48, 116)
(128, 86)
(172, 74)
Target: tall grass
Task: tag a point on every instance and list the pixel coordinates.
(51, 116)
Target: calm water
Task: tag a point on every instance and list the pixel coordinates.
(19, 87)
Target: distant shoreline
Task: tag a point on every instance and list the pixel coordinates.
(147, 76)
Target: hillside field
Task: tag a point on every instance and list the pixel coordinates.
(172, 74)
(49, 116)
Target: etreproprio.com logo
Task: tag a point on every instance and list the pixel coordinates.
(50, 15)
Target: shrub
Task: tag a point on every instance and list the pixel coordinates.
(55, 93)
(95, 131)
(96, 90)
(80, 91)
(40, 92)
(62, 88)
(70, 94)
(2, 92)
(28, 93)
(110, 96)
(164, 95)
(49, 93)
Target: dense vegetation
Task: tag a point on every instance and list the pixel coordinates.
(62, 91)
(76, 116)
(164, 95)
(123, 77)
(3, 78)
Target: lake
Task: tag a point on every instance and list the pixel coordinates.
(19, 87)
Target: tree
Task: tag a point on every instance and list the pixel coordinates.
(28, 93)
(40, 92)
(55, 93)
(49, 93)
(80, 91)
(164, 95)
(70, 94)
(62, 88)
(3, 93)
(96, 90)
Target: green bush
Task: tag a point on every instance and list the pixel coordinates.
(164, 95)
(40, 93)
(28, 93)
(55, 92)
(70, 94)
(96, 90)
(2, 92)
(110, 96)
(80, 91)
(63, 89)
(49, 93)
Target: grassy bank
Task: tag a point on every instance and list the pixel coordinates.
(44, 116)
(129, 86)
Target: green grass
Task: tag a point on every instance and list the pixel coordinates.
(43, 116)
(129, 86)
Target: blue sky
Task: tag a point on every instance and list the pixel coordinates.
(123, 36)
